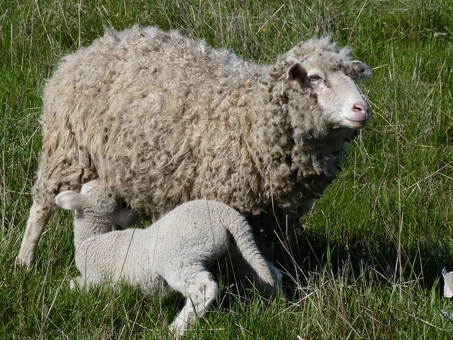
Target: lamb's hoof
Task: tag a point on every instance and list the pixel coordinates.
(178, 328)
(72, 284)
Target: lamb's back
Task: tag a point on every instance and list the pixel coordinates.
(198, 232)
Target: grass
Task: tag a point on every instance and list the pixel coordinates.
(374, 243)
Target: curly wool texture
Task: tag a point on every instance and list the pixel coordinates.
(165, 119)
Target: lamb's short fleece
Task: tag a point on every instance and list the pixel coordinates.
(170, 256)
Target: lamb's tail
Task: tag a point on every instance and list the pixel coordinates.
(243, 236)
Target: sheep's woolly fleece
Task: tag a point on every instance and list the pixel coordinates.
(165, 119)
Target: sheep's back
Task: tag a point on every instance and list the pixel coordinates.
(160, 117)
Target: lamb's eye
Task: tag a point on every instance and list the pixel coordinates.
(314, 78)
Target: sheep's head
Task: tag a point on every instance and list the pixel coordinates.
(329, 73)
(98, 202)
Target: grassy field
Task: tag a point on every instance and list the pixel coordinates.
(375, 242)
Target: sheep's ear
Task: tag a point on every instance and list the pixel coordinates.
(70, 200)
(357, 69)
(297, 72)
(126, 218)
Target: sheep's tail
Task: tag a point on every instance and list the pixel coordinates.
(243, 236)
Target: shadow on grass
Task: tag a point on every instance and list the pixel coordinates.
(364, 256)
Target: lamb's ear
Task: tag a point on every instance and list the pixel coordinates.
(70, 200)
(297, 72)
(357, 69)
(126, 218)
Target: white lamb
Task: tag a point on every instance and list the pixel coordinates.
(171, 256)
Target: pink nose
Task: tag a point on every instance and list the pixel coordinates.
(361, 111)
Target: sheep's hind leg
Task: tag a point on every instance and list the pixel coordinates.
(200, 291)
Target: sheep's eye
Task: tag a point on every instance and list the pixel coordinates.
(110, 195)
(314, 78)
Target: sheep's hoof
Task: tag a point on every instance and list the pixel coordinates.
(24, 260)
(22, 264)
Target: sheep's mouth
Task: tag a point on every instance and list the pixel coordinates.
(357, 122)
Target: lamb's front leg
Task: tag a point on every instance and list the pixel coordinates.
(199, 292)
(76, 282)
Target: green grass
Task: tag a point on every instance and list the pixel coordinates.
(375, 242)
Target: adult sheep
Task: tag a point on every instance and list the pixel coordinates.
(165, 119)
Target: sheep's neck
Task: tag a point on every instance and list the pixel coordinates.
(297, 153)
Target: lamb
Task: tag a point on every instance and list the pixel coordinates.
(171, 256)
(164, 119)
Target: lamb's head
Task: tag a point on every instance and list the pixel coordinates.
(327, 73)
(96, 202)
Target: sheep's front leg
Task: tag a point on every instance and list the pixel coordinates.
(55, 173)
(199, 292)
(39, 215)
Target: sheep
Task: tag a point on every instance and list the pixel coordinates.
(164, 119)
(171, 256)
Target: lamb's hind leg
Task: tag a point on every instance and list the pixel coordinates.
(200, 290)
